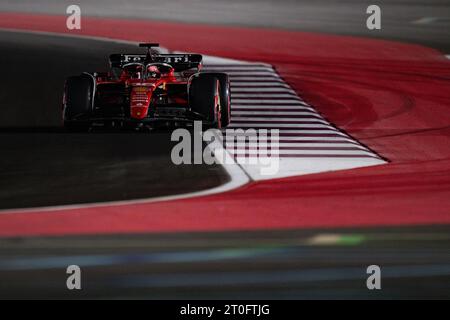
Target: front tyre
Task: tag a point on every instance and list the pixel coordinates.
(225, 100)
(204, 98)
(77, 103)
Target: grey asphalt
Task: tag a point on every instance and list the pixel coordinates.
(285, 264)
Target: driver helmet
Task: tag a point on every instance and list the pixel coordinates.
(152, 69)
(153, 72)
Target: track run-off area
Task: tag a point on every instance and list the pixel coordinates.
(307, 143)
(392, 97)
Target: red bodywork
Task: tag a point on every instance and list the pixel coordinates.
(143, 87)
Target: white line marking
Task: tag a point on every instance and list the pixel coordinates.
(301, 166)
(300, 145)
(240, 64)
(309, 152)
(274, 113)
(239, 68)
(211, 60)
(342, 139)
(300, 106)
(240, 79)
(306, 131)
(268, 120)
(261, 90)
(260, 95)
(249, 72)
(285, 101)
(216, 61)
(257, 85)
(238, 75)
(65, 35)
(278, 125)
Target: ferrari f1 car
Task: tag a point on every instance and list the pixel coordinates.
(145, 90)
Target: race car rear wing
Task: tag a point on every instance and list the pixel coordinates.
(179, 61)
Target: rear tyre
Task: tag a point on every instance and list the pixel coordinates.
(204, 98)
(77, 102)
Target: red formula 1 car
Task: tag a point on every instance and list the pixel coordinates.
(144, 90)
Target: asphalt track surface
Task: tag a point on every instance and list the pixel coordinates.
(270, 264)
(309, 264)
(43, 165)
